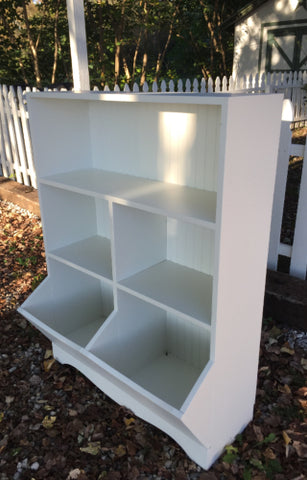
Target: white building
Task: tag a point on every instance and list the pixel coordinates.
(271, 36)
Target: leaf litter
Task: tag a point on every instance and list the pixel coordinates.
(55, 424)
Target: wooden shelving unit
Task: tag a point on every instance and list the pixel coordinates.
(156, 214)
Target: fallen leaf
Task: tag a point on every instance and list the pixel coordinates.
(275, 332)
(268, 453)
(303, 404)
(48, 421)
(75, 474)
(48, 353)
(120, 451)
(285, 389)
(131, 448)
(300, 448)
(129, 422)
(49, 408)
(93, 448)
(9, 399)
(304, 363)
(287, 441)
(1, 416)
(48, 364)
(286, 438)
(287, 350)
(258, 433)
(72, 412)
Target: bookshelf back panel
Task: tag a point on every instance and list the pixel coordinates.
(61, 139)
(171, 143)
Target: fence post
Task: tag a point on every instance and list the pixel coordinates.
(280, 183)
(298, 262)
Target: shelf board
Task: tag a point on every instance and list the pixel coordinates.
(186, 203)
(169, 378)
(180, 288)
(92, 254)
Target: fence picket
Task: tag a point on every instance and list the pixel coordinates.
(195, 85)
(188, 86)
(19, 138)
(203, 85)
(27, 137)
(163, 86)
(154, 87)
(12, 137)
(210, 85)
(6, 153)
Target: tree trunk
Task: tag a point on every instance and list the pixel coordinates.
(126, 70)
(214, 27)
(33, 46)
(161, 55)
(118, 39)
(56, 43)
(135, 56)
(144, 68)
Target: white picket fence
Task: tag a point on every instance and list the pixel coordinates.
(297, 252)
(16, 158)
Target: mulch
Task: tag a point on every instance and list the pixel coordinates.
(56, 425)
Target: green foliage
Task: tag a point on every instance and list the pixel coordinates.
(270, 467)
(37, 279)
(128, 41)
(231, 454)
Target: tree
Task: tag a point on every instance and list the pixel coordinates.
(128, 40)
(35, 37)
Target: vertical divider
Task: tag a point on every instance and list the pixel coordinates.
(92, 342)
(113, 254)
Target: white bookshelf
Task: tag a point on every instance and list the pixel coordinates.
(156, 214)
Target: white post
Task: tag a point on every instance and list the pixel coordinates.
(78, 50)
(280, 183)
(298, 263)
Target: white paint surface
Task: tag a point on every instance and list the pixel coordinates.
(167, 321)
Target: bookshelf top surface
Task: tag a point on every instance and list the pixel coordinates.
(219, 98)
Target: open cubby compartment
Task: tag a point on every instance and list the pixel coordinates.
(179, 139)
(165, 261)
(77, 230)
(160, 352)
(69, 304)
